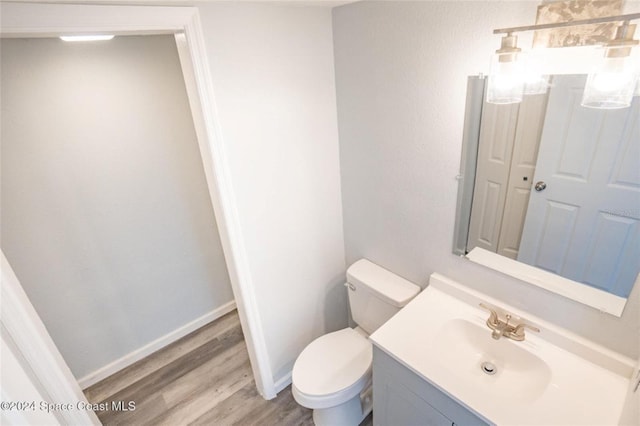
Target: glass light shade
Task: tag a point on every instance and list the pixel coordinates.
(535, 83)
(612, 84)
(506, 82)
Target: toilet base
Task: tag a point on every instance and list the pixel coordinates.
(350, 413)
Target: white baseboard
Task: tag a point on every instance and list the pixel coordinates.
(282, 382)
(125, 361)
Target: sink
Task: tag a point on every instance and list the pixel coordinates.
(513, 373)
(442, 337)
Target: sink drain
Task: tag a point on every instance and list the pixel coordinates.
(489, 368)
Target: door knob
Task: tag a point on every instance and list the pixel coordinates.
(540, 186)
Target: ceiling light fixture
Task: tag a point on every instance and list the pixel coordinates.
(88, 37)
(610, 85)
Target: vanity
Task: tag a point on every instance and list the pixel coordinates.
(455, 356)
(437, 363)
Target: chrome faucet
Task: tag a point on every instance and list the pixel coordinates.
(503, 328)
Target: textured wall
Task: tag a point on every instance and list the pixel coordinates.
(401, 70)
(106, 218)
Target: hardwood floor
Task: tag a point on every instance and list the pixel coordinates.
(202, 379)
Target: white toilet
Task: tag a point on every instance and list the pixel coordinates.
(332, 375)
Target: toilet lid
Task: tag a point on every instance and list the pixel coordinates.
(332, 362)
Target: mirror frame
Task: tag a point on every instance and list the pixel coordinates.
(574, 290)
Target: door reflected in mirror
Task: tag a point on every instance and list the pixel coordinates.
(557, 187)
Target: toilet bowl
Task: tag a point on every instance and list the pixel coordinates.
(332, 375)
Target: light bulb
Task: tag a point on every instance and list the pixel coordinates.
(506, 83)
(611, 85)
(535, 83)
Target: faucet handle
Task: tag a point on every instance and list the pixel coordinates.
(483, 306)
(493, 318)
(520, 328)
(518, 331)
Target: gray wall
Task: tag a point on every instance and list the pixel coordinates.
(106, 218)
(401, 70)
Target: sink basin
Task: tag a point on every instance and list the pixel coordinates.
(551, 378)
(515, 374)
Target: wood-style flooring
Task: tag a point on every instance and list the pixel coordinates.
(202, 379)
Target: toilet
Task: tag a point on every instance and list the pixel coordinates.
(332, 375)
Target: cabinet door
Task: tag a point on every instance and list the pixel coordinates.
(405, 408)
(401, 398)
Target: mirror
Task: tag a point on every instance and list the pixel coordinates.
(550, 192)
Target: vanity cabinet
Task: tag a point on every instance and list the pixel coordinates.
(402, 398)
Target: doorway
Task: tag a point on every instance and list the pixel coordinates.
(106, 217)
(20, 321)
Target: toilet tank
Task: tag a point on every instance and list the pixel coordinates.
(376, 294)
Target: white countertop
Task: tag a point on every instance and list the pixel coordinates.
(576, 382)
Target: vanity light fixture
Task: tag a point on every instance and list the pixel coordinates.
(610, 85)
(87, 37)
(506, 74)
(513, 74)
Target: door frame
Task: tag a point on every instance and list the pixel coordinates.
(52, 20)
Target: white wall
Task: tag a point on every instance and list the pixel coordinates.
(106, 217)
(273, 76)
(19, 384)
(401, 70)
(631, 408)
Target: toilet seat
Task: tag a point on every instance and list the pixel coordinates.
(332, 369)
